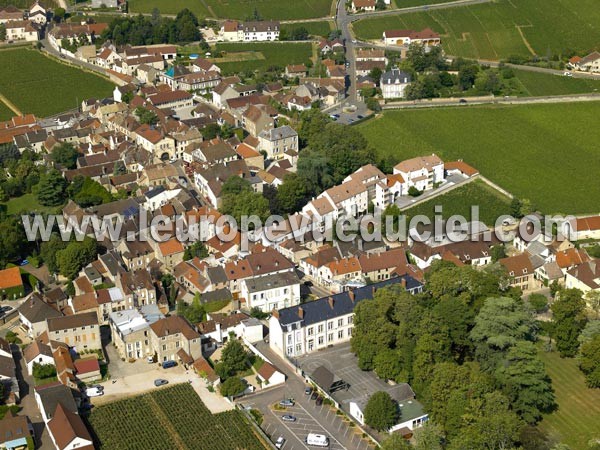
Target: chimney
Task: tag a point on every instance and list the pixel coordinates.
(403, 282)
(374, 290)
(351, 295)
(301, 312)
(275, 313)
(330, 300)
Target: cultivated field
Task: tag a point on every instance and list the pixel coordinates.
(42, 86)
(238, 9)
(492, 204)
(409, 3)
(169, 418)
(502, 28)
(25, 4)
(5, 112)
(321, 28)
(541, 84)
(261, 56)
(576, 421)
(533, 151)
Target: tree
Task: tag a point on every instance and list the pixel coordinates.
(299, 34)
(375, 74)
(525, 382)
(41, 371)
(413, 191)
(500, 324)
(59, 14)
(193, 312)
(196, 250)
(488, 424)
(292, 194)
(568, 321)
(589, 361)
(49, 249)
(591, 329)
(466, 76)
(395, 441)
(76, 255)
(538, 302)
(429, 437)
(52, 189)
(234, 358)
(87, 192)
(381, 412)
(497, 252)
(232, 387)
(387, 363)
(2, 32)
(145, 116)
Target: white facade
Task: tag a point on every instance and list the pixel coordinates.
(271, 291)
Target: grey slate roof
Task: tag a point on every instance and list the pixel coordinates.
(321, 309)
(35, 310)
(52, 394)
(395, 76)
(279, 133)
(266, 282)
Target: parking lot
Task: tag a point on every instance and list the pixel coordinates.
(310, 418)
(342, 362)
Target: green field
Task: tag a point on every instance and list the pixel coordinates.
(27, 203)
(238, 9)
(409, 3)
(170, 418)
(321, 28)
(5, 112)
(25, 4)
(502, 28)
(261, 56)
(533, 151)
(42, 86)
(492, 204)
(541, 84)
(577, 419)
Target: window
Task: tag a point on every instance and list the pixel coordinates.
(350, 319)
(330, 325)
(330, 337)
(164, 347)
(340, 322)
(177, 344)
(310, 331)
(289, 339)
(320, 329)
(320, 340)
(341, 334)
(349, 332)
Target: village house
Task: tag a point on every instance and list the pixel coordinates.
(130, 331)
(79, 331)
(68, 431)
(15, 431)
(394, 83)
(278, 141)
(269, 292)
(581, 228)
(21, 30)
(216, 330)
(38, 13)
(72, 32)
(33, 313)
(306, 328)
(585, 277)
(173, 338)
(589, 63)
(295, 70)
(257, 119)
(422, 172)
(363, 6)
(10, 13)
(11, 283)
(234, 31)
(520, 270)
(427, 37)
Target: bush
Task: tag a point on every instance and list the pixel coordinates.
(232, 387)
(41, 371)
(257, 416)
(538, 302)
(414, 192)
(12, 338)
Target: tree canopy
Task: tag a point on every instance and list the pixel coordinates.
(381, 412)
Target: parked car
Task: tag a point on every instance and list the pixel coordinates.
(462, 101)
(279, 442)
(360, 116)
(288, 418)
(24, 262)
(168, 364)
(319, 400)
(150, 359)
(94, 392)
(308, 390)
(96, 386)
(568, 74)
(287, 402)
(314, 395)
(160, 382)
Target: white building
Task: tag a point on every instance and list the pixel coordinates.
(412, 415)
(234, 31)
(328, 321)
(422, 172)
(269, 292)
(394, 83)
(21, 30)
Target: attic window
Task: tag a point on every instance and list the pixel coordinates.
(524, 270)
(511, 273)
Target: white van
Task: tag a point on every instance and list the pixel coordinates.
(94, 392)
(317, 440)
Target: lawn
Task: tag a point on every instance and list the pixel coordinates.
(578, 416)
(5, 112)
(533, 151)
(321, 28)
(27, 203)
(238, 9)
(43, 86)
(541, 84)
(261, 56)
(169, 418)
(492, 204)
(502, 28)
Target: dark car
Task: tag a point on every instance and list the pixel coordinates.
(462, 101)
(319, 400)
(160, 382)
(314, 395)
(168, 364)
(308, 390)
(360, 116)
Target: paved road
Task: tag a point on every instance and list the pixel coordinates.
(46, 47)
